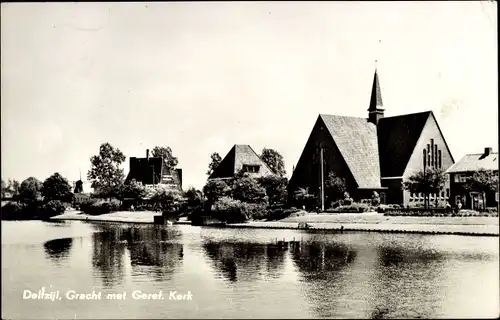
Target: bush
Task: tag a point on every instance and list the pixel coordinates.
(387, 207)
(281, 213)
(491, 210)
(14, 211)
(51, 209)
(432, 212)
(351, 208)
(229, 210)
(98, 206)
(375, 201)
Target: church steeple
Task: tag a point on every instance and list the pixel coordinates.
(376, 109)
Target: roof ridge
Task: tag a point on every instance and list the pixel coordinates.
(479, 154)
(408, 114)
(338, 115)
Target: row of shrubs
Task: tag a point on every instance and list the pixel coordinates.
(461, 213)
(100, 206)
(351, 208)
(14, 210)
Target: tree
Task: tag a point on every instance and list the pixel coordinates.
(302, 197)
(165, 199)
(482, 181)
(216, 189)
(4, 189)
(335, 186)
(13, 187)
(274, 161)
(246, 189)
(427, 181)
(194, 197)
(215, 162)
(29, 191)
(56, 187)
(165, 153)
(275, 187)
(105, 173)
(134, 190)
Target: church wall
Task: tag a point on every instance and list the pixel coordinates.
(439, 156)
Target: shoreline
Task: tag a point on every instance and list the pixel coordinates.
(369, 222)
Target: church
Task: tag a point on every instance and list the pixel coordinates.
(376, 153)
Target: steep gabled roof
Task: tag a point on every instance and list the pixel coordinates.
(235, 159)
(397, 138)
(143, 170)
(474, 162)
(356, 139)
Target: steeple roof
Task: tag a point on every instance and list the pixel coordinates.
(376, 97)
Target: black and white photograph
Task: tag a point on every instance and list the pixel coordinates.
(249, 160)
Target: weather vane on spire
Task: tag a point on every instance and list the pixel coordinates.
(378, 53)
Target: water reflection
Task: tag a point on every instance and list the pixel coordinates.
(350, 275)
(416, 273)
(58, 249)
(108, 256)
(245, 261)
(152, 251)
(324, 269)
(320, 261)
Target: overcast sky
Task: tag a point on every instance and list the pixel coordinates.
(201, 77)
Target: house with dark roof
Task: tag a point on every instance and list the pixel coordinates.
(153, 172)
(460, 171)
(376, 153)
(241, 157)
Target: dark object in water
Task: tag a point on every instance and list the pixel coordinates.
(303, 225)
(159, 220)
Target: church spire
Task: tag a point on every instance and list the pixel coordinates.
(376, 109)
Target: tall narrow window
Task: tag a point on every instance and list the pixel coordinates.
(425, 158)
(439, 158)
(429, 155)
(433, 156)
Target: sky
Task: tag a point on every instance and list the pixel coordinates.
(201, 77)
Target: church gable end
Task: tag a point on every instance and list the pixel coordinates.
(437, 153)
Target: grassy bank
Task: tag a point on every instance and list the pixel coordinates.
(373, 222)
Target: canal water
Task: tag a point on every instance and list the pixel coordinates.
(239, 273)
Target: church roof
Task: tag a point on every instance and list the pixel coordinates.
(397, 138)
(374, 151)
(356, 139)
(371, 151)
(233, 162)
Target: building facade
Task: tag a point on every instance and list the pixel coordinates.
(153, 173)
(376, 153)
(464, 169)
(241, 158)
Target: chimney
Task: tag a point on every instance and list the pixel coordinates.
(487, 151)
(147, 154)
